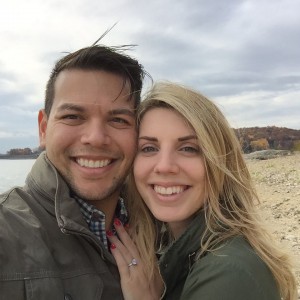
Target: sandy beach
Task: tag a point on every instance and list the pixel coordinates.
(278, 184)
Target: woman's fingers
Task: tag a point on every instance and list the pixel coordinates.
(125, 238)
(135, 285)
(120, 248)
(123, 249)
(120, 260)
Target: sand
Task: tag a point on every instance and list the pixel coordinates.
(278, 184)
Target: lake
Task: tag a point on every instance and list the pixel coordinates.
(13, 172)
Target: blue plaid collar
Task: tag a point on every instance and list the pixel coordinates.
(96, 218)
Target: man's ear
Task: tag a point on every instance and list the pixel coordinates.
(42, 119)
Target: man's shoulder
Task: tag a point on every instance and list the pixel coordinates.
(16, 210)
(11, 198)
(21, 225)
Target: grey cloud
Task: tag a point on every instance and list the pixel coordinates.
(16, 119)
(226, 84)
(225, 49)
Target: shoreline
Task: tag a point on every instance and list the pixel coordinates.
(15, 157)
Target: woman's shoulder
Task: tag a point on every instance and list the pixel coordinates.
(235, 253)
(231, 271)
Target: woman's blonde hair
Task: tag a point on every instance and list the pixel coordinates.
(230, 208)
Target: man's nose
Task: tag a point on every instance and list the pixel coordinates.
(96, 133)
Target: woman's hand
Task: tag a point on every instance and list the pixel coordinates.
(134, 282)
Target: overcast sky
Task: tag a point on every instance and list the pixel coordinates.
(245, 55)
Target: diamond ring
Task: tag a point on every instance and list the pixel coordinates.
(133, 263)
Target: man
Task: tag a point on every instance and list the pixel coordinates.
(52, 231)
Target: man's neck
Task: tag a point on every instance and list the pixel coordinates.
(108, 207)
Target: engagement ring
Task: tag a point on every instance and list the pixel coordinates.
(133, 262)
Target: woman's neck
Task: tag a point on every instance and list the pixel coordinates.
(179, 227)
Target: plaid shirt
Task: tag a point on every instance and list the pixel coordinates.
(96, 218)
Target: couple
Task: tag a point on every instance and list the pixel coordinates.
(178, 223)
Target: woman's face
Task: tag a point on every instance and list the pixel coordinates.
(169, 168)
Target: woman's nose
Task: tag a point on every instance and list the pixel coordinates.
(166, 163)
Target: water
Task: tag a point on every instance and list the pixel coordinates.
(14, 172)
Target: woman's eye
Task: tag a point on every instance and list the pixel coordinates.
(148, 149)
(190, 149)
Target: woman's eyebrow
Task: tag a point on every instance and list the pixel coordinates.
(148, 138)
(180, 139)
(186, 138)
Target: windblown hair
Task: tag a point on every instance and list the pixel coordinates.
(99, 58)
(230, 208)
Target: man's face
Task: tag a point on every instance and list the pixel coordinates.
(90, 133)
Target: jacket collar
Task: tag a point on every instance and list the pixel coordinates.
(54, 195)
(51, 191)
(178, 258)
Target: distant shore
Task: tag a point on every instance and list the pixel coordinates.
(27, 156)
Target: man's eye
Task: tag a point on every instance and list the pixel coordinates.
(71, 117)
(120, 120)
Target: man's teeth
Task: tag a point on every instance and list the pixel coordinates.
(168, 190)
(92, 163)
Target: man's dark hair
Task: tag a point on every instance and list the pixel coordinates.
(99, 58)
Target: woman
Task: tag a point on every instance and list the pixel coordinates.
(190, 173)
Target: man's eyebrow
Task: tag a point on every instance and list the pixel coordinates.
(70, 106)
(81, 108)
(122, 111)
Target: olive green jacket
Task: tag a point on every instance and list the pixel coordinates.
(233, 272)
(47, 251)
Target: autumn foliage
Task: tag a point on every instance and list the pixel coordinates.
(271, 137)
(20, 151)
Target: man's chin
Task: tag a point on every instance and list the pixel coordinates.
(93, 193)
(96, 190)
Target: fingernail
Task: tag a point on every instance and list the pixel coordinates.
(109, 233)
(117, 222)
(126, 225)
(113, 246)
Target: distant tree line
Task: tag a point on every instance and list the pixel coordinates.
(22, 151)
(271, 137)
